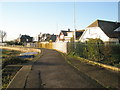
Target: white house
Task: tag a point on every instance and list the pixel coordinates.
(104, 30)
(65, 36)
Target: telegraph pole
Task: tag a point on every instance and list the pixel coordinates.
(56, 27)
(74, 25)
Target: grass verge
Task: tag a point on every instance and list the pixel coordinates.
(94, 72)
(11, 64)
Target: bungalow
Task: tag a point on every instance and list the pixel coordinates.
(65, 36)
(104, 30)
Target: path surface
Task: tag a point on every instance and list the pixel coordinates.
(52, 71)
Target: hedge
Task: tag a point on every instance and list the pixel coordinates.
(99, 52)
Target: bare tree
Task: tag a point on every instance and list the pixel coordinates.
(2, 35)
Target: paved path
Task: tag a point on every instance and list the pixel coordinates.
(107, 78)
(52, 71)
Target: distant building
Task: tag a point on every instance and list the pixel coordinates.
(26, 38)
(35, 39)
(79, 34)
(104, 30)
(53, 38)
(66, 36)
(46, 37)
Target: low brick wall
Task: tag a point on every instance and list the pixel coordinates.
(22, 49)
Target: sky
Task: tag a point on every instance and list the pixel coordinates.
(31, 18)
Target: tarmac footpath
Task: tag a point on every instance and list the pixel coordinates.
(51, 71)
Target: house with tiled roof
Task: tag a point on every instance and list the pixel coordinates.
(104, 30)
(66, 35)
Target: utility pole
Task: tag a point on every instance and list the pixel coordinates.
(74, 25)
(119, 19)
(56, 27)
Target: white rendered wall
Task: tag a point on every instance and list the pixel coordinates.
(60, 46)
(94, 32)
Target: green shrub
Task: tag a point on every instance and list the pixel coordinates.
(95, 41)
(111, 54)
(95, 49)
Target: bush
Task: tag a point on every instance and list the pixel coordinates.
(96, 50)
(111, 54)
(95, 41)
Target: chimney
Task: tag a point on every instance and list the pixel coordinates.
(68, 29)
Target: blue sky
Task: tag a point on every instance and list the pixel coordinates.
(31, 18)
